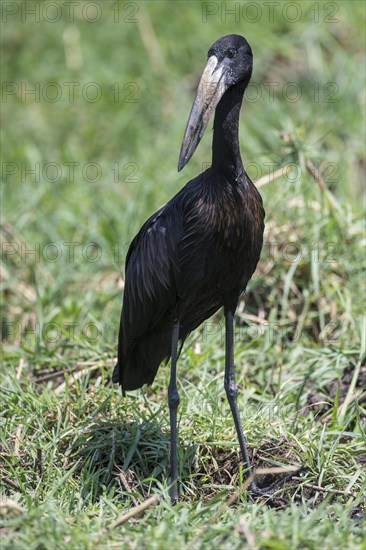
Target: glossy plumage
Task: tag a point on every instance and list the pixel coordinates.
(200, 248)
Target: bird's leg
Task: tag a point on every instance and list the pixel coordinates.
(232, 394)
(232, 389)
(173, 398)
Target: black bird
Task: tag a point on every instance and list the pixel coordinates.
(198, 252)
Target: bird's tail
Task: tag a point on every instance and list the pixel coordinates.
(140, 365)
(115, 375)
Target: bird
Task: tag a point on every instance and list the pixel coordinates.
(197, 253)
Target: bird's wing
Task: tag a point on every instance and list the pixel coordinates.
(152, 274)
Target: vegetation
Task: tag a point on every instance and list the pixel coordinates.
(94, 114)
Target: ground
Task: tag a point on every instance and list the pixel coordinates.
(95, 105)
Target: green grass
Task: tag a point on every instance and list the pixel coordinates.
(66, 432)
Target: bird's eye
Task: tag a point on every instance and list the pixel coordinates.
(231, 53)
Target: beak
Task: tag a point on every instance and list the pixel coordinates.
(210, 90)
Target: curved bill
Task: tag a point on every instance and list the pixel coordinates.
(210, 90)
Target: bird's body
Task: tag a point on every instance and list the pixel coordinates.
(200, 249)
(198, 252)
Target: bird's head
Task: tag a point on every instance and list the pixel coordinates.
(230, 61)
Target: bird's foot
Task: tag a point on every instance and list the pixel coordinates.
(271, 489)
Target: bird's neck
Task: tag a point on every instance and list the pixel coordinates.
(226, 159)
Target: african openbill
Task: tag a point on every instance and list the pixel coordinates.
(198, 252)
